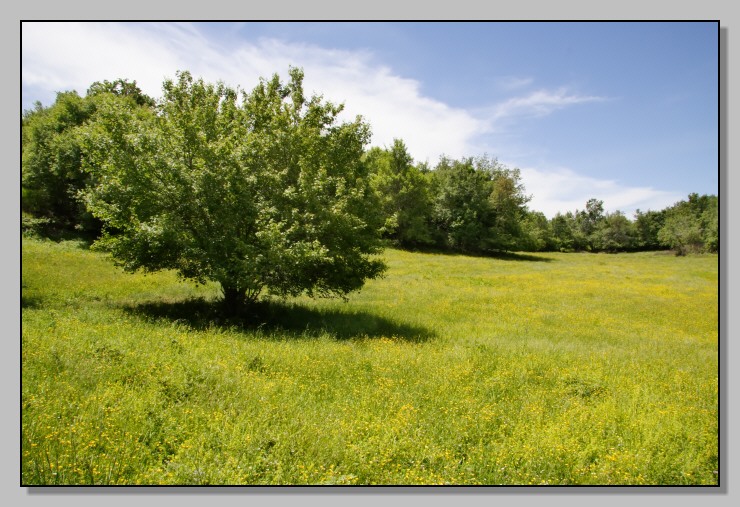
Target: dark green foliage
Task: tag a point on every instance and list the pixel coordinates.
(51, 160)
(710, 225)
(587, 223)
(647, 226)
(562, 231)
(687, 227)
(614, 233)
(537, 233)
(692, 226)
(122, 88)
(509, 207)
(574, 231)
(477, 205)
(267, 194)
(681, 232)
(462, 211)
(403, 193)
(592, 230)
(172, 177)
(52, 175)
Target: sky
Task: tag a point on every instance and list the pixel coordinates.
(624, 112)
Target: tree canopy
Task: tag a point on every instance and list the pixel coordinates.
(403, 193)
(477, 205)
(264, 194)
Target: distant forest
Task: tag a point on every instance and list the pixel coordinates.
(471, 205)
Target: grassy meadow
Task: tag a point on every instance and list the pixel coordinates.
(523, 369)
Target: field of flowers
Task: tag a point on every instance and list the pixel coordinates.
(537, 369)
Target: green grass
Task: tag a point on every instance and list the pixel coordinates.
(540, 369)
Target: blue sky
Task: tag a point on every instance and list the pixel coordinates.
(623, 112)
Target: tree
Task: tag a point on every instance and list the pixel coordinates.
(692, 226)
(51, 159)
(270, 194)
(681, 232)
(588, 222)
(578, 230)
(508, 203)
(403, 193)
(563, 227)
(647, 225)
(710, 225)
(614, 233)
(461, 209)
(537, 233)
(477, 205)
(121, 88)
(52, 175)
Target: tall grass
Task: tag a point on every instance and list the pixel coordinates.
(539, 369)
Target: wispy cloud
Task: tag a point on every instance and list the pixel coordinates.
(561, 190)
(509, 83)
(63, 56)
(66, 56)
(539, 103)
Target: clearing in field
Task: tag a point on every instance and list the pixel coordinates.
(538, 369)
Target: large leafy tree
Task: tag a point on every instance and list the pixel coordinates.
(264, 194)
(51, 158)
(579, 230)
(509, 205)
(462, 211)
(681, 232)
(563, 231)
(478, 204)
(403, 193)
(537, 233)
(588, 222)
(121, 88)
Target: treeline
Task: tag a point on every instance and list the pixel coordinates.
(478, 205)
(470, 205)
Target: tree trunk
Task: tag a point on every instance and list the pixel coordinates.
(234, 301)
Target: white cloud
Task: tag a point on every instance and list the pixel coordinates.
(71, 56)
(64, 56)
(59, 56)
(393, 105)
(562, 190)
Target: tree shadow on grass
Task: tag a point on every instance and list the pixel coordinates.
(500, 255)
(31, 302)
(514, 256)
(58, 234)
(281, 319)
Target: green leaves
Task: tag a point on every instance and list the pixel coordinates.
(478, 204)
(403, 192)
(266, 194)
